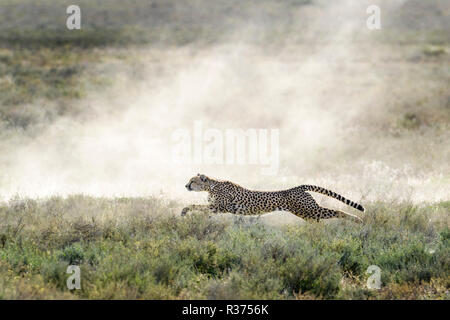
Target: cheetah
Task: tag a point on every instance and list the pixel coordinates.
(226, 196)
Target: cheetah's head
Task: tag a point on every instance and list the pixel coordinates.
(199, 183)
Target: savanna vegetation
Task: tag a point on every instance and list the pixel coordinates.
(140, 248)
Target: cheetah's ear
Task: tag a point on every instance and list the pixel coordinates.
(202, 177)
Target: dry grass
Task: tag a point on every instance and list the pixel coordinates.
(362, 113)
(138, 249)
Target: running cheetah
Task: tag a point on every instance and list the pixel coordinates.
(226, 196)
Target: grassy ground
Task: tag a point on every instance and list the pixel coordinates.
(138, 249)
(41, 62)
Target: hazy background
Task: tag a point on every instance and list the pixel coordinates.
(364, 113)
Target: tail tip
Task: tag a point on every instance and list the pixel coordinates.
(360, 208)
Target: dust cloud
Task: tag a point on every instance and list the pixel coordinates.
(333, 89)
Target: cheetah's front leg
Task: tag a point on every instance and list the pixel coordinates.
(198, 207)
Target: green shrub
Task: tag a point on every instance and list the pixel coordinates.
(141, 255)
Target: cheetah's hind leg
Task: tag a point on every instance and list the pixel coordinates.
(325, 213)
(345, 215)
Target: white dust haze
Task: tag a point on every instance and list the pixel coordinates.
(331, 89)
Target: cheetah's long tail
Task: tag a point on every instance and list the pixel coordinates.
(333, 195)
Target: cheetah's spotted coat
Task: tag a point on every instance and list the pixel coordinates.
(226, 196)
